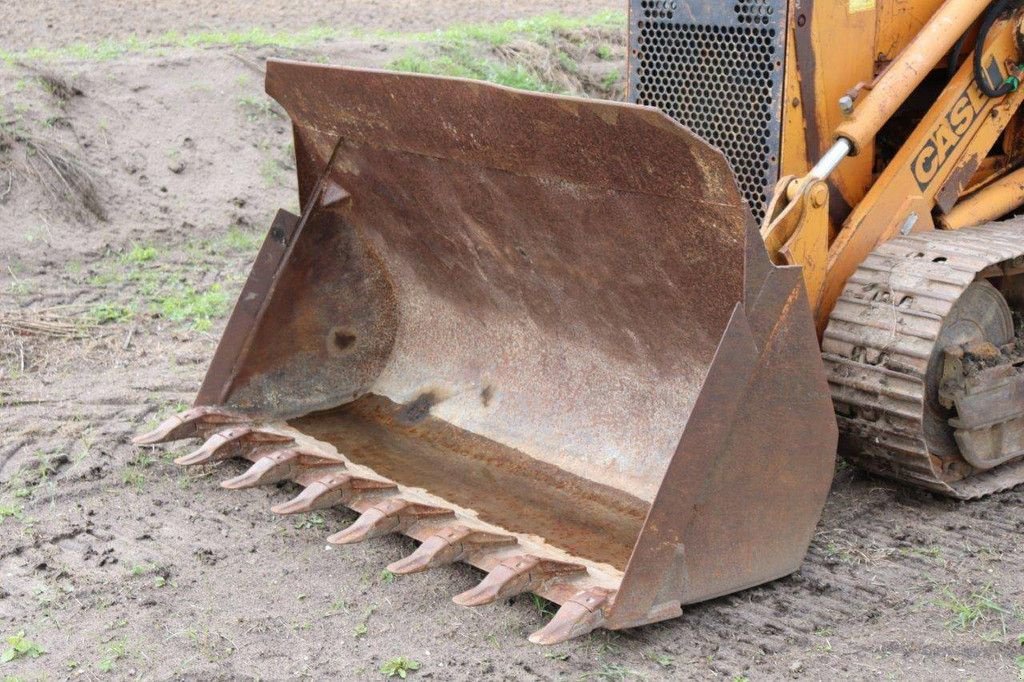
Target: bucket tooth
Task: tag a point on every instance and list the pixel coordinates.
(516, 575)
(578, 616)
(187, 424)
(330, 491)
(390, 516)
(448, 545)
(230, 443)
(277, 466)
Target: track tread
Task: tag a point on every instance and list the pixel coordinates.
(876, 352)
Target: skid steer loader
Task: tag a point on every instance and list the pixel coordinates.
(605, 351)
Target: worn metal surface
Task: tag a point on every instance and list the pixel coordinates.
(717, 68)
(503, 486)
(248, 309)
(884, 347)
(990, 417)
(511, 265)
(746, 513)
(1001, 197)
(539, 334)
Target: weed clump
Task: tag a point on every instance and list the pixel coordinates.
(399, 667)
(18, 646)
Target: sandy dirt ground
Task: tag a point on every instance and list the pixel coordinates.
(116, 275)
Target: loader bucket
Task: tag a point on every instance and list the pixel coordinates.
(539, 334)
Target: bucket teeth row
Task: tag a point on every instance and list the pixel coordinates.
(233, 442)
(328, 483)
(517, 575)
(191, 423)
(393, 515)
(331, 491)
(280, 465)
(581, 614)
(448, 545)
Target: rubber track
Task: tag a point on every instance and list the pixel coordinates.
(880, 338)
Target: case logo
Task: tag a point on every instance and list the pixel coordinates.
(951, 129)
(947, 136)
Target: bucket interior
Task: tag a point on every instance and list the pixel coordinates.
(500, 485)
(508, 299)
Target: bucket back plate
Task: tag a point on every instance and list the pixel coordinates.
(553, 274)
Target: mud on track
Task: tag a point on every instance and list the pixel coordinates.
(120, 565)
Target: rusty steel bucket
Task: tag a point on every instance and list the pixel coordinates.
(539, 334)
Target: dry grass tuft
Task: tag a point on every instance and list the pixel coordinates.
(31, 337)
(54, 322)
(62, 175)
(12, 350)
(61, 87)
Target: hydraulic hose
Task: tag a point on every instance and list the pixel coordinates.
(1012, 82)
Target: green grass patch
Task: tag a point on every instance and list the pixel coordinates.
(539, 29)
(10, 511)
(140, 254)
(256, 107)
(272, 172)
(461, 62)
(611, 80)
(399, 667)
(157, 290)
(663, 660)
(196, 308)
(970, 610)
(241, 241)
(110, 313)
(114, 652)
(500, 53)
(133, 479)
(545, 608)
(18, 646)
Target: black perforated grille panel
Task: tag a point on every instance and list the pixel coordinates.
(716, 67)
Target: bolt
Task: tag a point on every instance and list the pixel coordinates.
(819, 195)
(846, 105)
